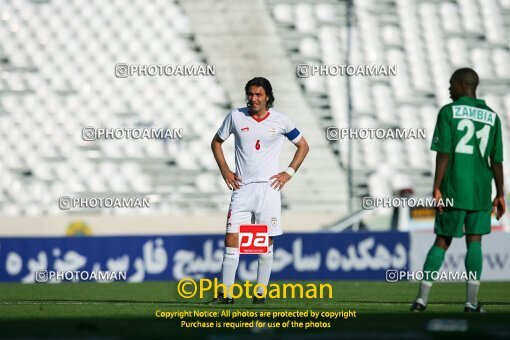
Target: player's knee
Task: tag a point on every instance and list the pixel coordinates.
(448, 241)
(231, 240)
(266, 257)
(269, 255)
(443, 242)
(473, 238)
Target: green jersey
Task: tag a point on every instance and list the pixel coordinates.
(470, 132)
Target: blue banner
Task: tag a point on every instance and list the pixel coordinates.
(336, 256)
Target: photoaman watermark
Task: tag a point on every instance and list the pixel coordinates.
(188, 288)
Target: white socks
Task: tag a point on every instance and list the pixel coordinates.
(472, 292)
(264, 269)
(423, 293)
(231, 262)
(472, 287)
(229, 268)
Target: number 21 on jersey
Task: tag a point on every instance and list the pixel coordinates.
(482, 134)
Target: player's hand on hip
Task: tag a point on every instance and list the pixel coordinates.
(438, 198)
(499, 206)
(279, 180)
(233, 181)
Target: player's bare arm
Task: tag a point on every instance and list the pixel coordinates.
(498, 204)
(231, 179)
(280, 179)
(441, 165)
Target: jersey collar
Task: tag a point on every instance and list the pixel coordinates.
(471, 99)
(258, 120)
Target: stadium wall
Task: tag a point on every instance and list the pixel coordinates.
(298, 256)
(496, 254)
(101, 225)
(336, 256)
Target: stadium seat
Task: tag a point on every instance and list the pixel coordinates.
(70, 51)
(427, 40)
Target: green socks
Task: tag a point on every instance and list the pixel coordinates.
(474, 259)
(435, 258)
(433, 262)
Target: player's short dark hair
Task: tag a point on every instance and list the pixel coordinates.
(265, 84)
(467, 75)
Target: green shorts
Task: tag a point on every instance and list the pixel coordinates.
(457, 222)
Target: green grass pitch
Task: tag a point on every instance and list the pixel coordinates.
(128, 310)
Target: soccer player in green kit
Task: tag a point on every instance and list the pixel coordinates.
(469, 147)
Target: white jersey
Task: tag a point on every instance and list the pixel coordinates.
(258, 142)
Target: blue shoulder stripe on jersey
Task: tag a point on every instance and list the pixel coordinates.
(293, 134)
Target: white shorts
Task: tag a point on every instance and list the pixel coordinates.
(255, 203)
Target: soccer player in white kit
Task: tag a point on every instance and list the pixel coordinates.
(259, 132)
